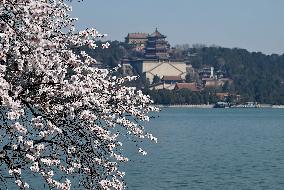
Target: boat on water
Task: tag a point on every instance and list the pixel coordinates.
(229, 105)
(222, 105)
(247, 105)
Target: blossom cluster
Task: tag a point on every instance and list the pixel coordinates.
(60, 116)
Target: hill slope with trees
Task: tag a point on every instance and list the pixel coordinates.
(257, 77)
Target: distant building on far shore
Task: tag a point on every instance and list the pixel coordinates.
(157, 47)
(149, 68)
(137, 40)
(156, 59)
(171, 79)
(189, 86)
(214, 83)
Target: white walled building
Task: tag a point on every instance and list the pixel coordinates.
(160, 68)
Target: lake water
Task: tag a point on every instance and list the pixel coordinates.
(208, 149)
(218, 149)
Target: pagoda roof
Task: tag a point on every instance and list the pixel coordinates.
(172, 78)
(137, 35)
(157, 34)
(190, 86)
(208, 79)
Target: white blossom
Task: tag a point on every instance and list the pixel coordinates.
(34, 167)
(19, 183)
(143, 152)
(30, 157)
(60, 115)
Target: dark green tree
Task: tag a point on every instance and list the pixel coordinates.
(156, 79)
(188, 78)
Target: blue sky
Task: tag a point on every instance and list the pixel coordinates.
(256, 25)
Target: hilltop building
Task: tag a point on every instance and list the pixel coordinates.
(208, 72)
(153, 45)
(161, 68)
(156, 59)
(157, 47)
(214, 83)
(137, 40)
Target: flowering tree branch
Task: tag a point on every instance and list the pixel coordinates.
(59, 116)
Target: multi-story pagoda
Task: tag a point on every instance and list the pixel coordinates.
(156, 60)
(157, 47)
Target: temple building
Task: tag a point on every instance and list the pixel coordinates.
(157, 47)
(156, 59)
(137, 40)
(162, 68)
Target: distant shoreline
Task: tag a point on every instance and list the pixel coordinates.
(278, 106)
(186, 106)
(207, 106)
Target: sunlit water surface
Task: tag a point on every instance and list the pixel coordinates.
(204, 149)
